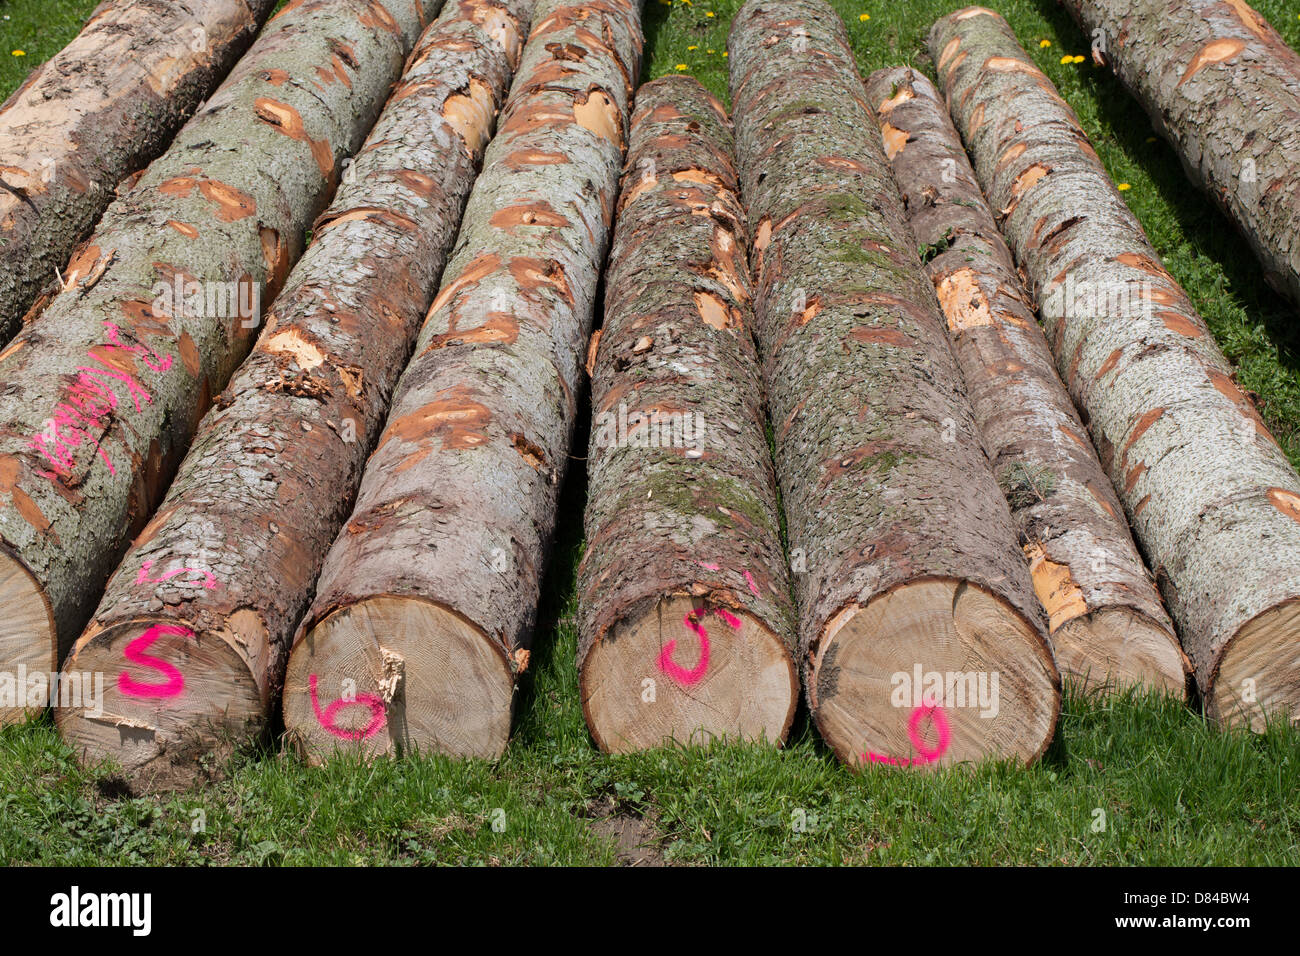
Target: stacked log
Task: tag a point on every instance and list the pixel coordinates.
(215, 585)
(1106, 622)
(687, 624)
(99, 110)
(1212, 499)
(1224, 89)
(918, 622)
(424, 610)
(105, 390)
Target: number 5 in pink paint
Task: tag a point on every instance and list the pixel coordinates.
(692, 621)
(927, 754)
(326, 717)
(135, 653)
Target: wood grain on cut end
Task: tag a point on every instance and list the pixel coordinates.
(930, 673)
(1118, 647)
(1259, 672)
(170, 698)
(393, 675)
(685, 672)
(27, 639)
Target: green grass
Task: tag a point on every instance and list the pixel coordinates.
(39, 29)
(1169, 788)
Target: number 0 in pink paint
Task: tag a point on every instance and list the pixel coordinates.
(135, 653)
(326, 717)
(927, 754)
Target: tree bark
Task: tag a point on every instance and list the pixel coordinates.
(917, 614)
(1106, 621)
(687, 626)
(1224, 89)
(424, 609)
(98, 111)
(1212, 500)
(224, 571)
(104, 392)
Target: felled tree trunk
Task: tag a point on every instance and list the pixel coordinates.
(1212, 499)
(687, 627)
(918, 622)
(1224, 89)
(104, 392)
(423, 612)
(225, 570)
(98, 111)
(1106, 621)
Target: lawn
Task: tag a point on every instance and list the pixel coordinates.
(1128, 780)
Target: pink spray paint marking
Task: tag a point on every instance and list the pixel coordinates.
(749, 579)
(927, 755)
(91, 404)
(209, 581)
(326, 717)
(135, 653)
(693, 676)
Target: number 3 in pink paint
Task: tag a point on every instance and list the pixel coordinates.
(927, 754)
(326, 717)
(692, 621)
(135, 653)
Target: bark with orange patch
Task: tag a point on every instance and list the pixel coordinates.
(1188, 456)
(98, 111)
(1080, 547)
(96, 475)
(460, 517)
(1223, 88)
(681, 491)
(882, 473)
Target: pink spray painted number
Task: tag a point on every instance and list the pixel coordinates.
(326, 717)
(135, 653)
(692, 621)
(926, 754)
(209, 581)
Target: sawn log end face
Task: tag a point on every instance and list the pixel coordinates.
(931, 673)
(176, 702)
(430, 681)
(686, 673)
(28, 643)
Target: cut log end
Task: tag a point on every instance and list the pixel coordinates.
(391, 675)
(933, 672)
(173, 703)
(1118, 647)
(685, 672)
(1258, 677)
(28, 645)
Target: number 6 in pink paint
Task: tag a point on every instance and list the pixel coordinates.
(135, 653)
(326, 717)
(927, 754)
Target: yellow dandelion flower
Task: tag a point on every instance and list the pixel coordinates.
(19, 52)
(1044, 43)
(1123, 187)
(1080, 59)
(710, 14)
(681, 66)
(691, 49)
(1066, 59)
(724, 53)
(864, 17)
(710, 51)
